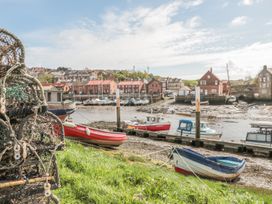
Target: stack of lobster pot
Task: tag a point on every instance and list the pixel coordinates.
(29, 135)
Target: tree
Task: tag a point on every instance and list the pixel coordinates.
(46, 78)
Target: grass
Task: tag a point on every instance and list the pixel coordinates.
(90, 176)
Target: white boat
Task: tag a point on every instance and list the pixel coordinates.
(187, 128)
(224, 168)
(262, 135)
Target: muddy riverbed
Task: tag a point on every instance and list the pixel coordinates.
(232, 121)
(257, 173)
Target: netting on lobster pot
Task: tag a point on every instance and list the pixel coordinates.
(29, 135)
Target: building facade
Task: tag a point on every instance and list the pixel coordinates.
(131, 87)
(99, 87)
(210, 84)
(154, 87)
(265, 83)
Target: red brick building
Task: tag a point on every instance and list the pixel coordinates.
(101, 87)
(210, 84)
(131, 86)
(154, 87)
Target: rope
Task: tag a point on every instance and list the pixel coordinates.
(201, 181)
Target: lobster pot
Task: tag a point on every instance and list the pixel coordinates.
(29, 135)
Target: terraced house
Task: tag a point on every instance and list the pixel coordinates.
(265, 83)
(210, 84)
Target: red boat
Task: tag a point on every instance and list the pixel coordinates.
(151, 124)
(94, 136)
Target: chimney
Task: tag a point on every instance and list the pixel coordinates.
(211, 69)
(265, 67)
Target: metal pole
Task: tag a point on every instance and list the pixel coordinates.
(197, 122)
(118, 110)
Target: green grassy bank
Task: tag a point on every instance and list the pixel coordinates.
(90, 176)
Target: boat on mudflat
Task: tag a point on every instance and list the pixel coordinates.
(150, 124)
(187, 128)
(262, 135)
(62, 113)
(62, 109)
(224, 168)
(92, 135)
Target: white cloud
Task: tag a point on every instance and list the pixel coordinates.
(225, 4)
(194, 22)
(143, 37)
(239, 21)
(247, 2)
(269, 23)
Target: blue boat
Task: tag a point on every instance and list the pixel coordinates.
(62, 113)
(187, 127)
(224, 168)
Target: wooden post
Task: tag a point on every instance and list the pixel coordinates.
(197, 121)
(118, 110)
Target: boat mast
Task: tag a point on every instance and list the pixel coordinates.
(227, 67)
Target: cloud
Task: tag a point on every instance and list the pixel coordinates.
(247, 2)
(225, 4)
(239, 21)
(143, 37)
(269, 23)
(194, 22)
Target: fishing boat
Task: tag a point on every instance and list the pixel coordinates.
(150, 124)
(92, 135)
(262, 134)
(63, 109)
(224, 168)
(187, 127)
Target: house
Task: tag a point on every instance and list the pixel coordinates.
(171, 84)
(154, 87)
(174, 84)
(265, 83)
(79, 88)
(131, 87)
(184, 91)
(101, 87)
(52, 94)
(210, 84)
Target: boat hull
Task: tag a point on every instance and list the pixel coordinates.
(151, 127)
(198, 166)
(215, 136)
(93, 136)
(62, 113)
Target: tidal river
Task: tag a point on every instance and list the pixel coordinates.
(231, 129)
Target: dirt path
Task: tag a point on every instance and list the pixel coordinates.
(258, 171)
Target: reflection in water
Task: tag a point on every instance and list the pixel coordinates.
(232, 129)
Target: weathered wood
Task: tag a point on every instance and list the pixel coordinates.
(219, 145)
(23, 181)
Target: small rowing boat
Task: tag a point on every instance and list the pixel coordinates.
(224, 168)
(92, 135)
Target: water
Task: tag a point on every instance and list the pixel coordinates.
(233, 129)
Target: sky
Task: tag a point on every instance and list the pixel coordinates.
(177, 38)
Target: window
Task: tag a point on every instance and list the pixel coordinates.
(203, 82)
(216, 82)
(59, 97)
(264, 79)
(214, 91)
(49, 96)
(209, 76)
